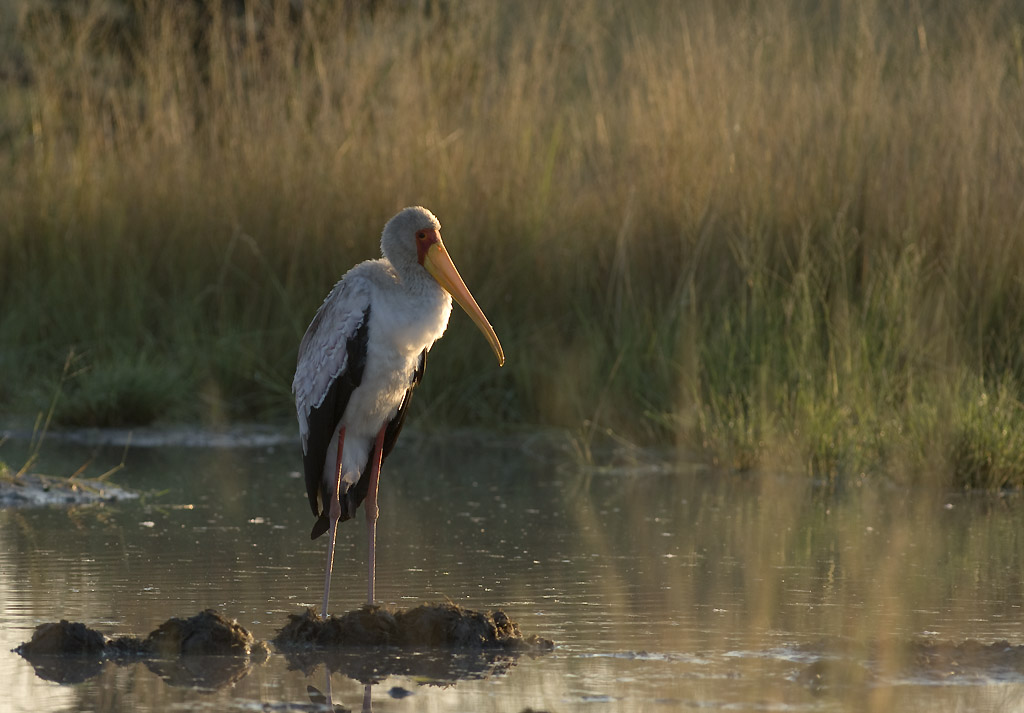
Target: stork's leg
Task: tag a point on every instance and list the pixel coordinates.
(370, 507)
(335, 515)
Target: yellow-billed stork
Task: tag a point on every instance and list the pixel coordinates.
(361, 357)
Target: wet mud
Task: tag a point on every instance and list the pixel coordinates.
(439, 643)
(205, 651)
(437, 667)
(29, 490)
(945, 659)
(921, 658)
(436, 643)
(426, 626)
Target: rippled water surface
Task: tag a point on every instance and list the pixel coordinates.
(664, 588)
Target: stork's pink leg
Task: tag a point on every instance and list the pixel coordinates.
(335, 515)
(371, 510)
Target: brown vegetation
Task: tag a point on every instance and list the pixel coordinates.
(786, 233)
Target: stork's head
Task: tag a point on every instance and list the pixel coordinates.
(411, 241)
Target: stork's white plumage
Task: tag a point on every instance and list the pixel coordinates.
(361, 357)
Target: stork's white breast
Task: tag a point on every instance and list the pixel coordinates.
(402, 324)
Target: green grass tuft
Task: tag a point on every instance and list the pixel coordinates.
(115, 393)
(987, 445)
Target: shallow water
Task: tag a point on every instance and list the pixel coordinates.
(664, 588)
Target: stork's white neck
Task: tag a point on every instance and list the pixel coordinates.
(410, 310)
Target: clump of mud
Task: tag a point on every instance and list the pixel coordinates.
(207, 633)
(927, 659)
(29, 489)
(946, 659)
(63, 638)
(424, 627)
(438, 644)
(178, 651)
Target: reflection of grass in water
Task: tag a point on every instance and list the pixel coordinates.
(753, 562)
(784, 235)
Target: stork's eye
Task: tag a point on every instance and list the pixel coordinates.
(421, 235)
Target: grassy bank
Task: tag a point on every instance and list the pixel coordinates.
(786, 234)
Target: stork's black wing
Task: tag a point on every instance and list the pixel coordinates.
(395, 424)
(323, 421)
(356, 494)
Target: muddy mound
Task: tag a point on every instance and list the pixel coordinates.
(436, 643)
(28, 490)
(423, 627)
(63, 638)
(927, 659)
(971, 657)
(181, 651)
(207, 633)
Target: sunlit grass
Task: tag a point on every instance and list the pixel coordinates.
(787, 235)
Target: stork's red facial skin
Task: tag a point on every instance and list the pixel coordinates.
(425, 239)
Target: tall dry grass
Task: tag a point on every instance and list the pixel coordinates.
(787, 233)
